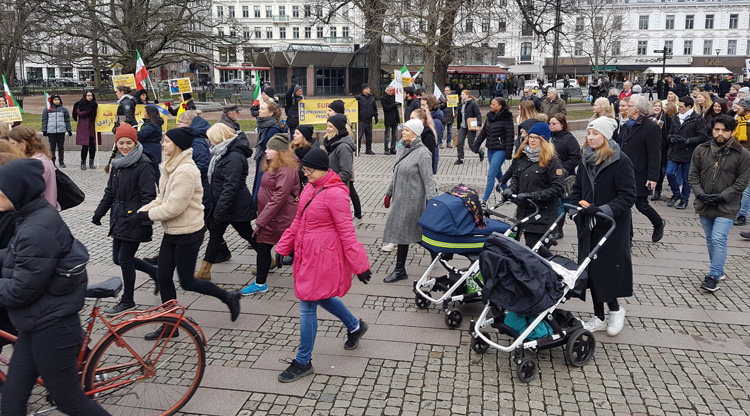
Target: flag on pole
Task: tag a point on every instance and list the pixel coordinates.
(415, 76)
(47, 100)
(9, 97)
(398, 86)
(256, 93)
(141, 73)
(405, 72)
(436, 91)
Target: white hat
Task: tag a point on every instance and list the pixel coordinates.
(745, 90)
(604, 125)
(415, 125)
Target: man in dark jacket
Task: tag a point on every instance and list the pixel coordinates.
(390, 119)
(639, 140)
(411, 101)
(229, 116)
(367, 110)
(688, 131)
(449, 115)
(528, 95)
(724, 87)
(682, 89)
(719, 173)
(293, 97)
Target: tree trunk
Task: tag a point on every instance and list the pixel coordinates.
(374, 16)
(428, 77)
(444, 54)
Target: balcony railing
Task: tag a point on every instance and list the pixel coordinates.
(281, 18)
(339, 40)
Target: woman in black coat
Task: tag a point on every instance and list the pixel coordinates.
(149, 136)
(467, 109)
(131, 185)
(498, 131)
(569, 152)
(660, 117)
(125, 106)
(606, 181)
(538, 176)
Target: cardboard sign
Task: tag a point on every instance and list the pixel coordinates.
(314, 111)
(453, 100)
(106, 115)
(10, 114)
(398, 87)
(127, 80)
(180, 86)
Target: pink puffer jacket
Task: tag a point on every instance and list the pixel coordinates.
(325, 245)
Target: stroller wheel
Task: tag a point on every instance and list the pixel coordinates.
(479, 346)
(580, 348)
(421, 302)
(453, 318)
(526, 370)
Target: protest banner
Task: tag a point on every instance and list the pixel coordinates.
(453, 100)
(127, 80)
(10, 114)
(180, 86)
(106, 115)
(314, 111)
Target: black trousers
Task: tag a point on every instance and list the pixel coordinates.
(642, 205)
(183, 258)
(50, 353)
(57, 141)
(208, 219)
(216, 232)
(365, 129)
(90, 149)
(263, 260)
(123, 255)
(391, 131)
(355, 200)
(599, 308)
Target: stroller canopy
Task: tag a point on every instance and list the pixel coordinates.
(516, 278)
(447, 214)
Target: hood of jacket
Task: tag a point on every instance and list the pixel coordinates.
(241, 145)
(200, 126)
(126, 97)
(330, 179)
(52, 100)
(437, 114)
(336, 142)
(502, 115)
(22, 181)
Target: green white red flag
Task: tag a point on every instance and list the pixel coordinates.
(47, 100)
(9, 97)
(141, 73)
(256, 93)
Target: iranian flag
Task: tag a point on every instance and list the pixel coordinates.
(9, 97)
(256, 93)
(141, 73)
(47, 100)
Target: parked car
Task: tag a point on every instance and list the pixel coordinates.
(559, 85)
(66, 82)
(234, 84)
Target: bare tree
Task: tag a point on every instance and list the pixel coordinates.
(597, 33)
(18, 32)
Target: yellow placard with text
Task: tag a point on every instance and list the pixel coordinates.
(106, 115)
(452, 100)
(127, 80)
(180, 86)
(10, 114)
(314, 111)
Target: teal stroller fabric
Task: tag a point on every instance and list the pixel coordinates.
(520, 322)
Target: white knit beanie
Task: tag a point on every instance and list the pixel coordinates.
(604, 125)
(415, 125)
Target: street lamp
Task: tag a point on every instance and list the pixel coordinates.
(718, 51)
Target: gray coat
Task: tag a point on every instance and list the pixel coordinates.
(56, 120)
(412, 185)
(341, 158)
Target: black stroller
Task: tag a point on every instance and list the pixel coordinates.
(521, 283)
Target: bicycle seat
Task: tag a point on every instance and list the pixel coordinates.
(106, 289)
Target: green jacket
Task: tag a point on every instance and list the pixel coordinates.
(720, 172)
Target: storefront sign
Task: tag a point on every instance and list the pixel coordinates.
(106, 115)
(714, 62)
(314, 111)
(10, 114)
(453, 100)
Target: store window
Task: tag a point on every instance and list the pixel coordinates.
(300, 78)
(67, 71)
(330, 81)
(34, 73)
(279, 81)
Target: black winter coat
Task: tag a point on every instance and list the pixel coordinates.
(292, 106)
(129, 189)
(189, 105)
(391, 116)
(684, 138)
(498, 130)
(472, 111)
(367, 108)
(428, 139)
(150, 136)
(546, 184)
(612, 190)
(230, 197)
(568, 150)
(411, 105)
(126, 109)
(642, 144)
(448, 112)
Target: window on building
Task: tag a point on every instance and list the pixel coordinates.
(598, 22)
(219, 11)
(526, 52)
(257, 32)
(642, 47)
(269, 11)
(708, 45)
(334, 33)
(192, 48)
(579, 24)
(485, 25)
(222, 54)
(526, 29)
(422, 26)
(501, 49)
(747, 49)
(392, 27)
(469, 25)
(732, 47)
(668, 46)
(245, 11)
(256, 11)
(502, 24)
(616, 48)
(308, 32)
(246, 33)
(295, 32)
(318, 11)
(232, 54)
(230, 11)
(345, 31)
(308, 12)
(689, 21)
(295, 11)
(320, 32)
(330, 81)
(618, 22)
(733, 20)
(269, 33)
(282, 11)
(578, 49)
(643, 22)
(669, 22)
(687, 47)
(709, 21)
(282, 33)
(405, 28)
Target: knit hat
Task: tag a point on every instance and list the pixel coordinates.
(307, 131)
(528, 124)
(604, 125)
(269, 91)
(337, 106)
(415, 125)
(316, 159)
(541, 130)
(637, 89)
(181, 136)
(339, 121)
(126, 130)
(279, 142)
(709, 87)
(187, 96)
(745, 90)
(744, 102)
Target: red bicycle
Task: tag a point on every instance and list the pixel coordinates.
(128, 375)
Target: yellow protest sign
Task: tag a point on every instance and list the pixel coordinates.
(10, 114)
(314, 111)
(453, 100)
(127, 80)
(180, 86)
(106, 114)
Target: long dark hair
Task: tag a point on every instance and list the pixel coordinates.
(560, 117)
(710, 115)
(152, 114)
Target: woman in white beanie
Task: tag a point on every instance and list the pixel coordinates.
(605, 179)
(412, 185)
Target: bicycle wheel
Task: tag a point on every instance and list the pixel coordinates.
(174, 369)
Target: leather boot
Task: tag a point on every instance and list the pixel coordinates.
(91, 164)
(204, 272)
(83, 165)
(398, 274)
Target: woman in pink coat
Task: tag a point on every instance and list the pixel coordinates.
(326, 253)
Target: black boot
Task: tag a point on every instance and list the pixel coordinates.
(83, 165)
(91, 164)
(400, 272)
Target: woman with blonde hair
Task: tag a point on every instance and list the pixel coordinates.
(4, 130)
(25, 140)
(670, 104)
(703, 103)
(526, 111)
(602, 108)
(6, 147)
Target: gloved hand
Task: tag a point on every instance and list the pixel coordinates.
(507, 194)
(376, 120)
(44, 133)
(712, 199)
(156, 101)
(279, 260)
(143, 216)
(365, 277)
(96, 219)
(168, 104)
(590, 210)
(522, 197)
(703, 197)
(70, 134)
(387, 202)
(508, 155)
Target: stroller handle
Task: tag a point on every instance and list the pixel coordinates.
(605, 217)
(531, 202)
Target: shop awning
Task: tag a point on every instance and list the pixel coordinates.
(704, 70)
(245, 68)
(476, 69)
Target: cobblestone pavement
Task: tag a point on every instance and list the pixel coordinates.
(682, 352)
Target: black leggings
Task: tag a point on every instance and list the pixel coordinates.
(51, 353)
(183, 257)
(355, 200)
(599, 308)
(641, 203)
(57, 141)
(90, 149)
(263, 260)
(216, 232)
(123, 255)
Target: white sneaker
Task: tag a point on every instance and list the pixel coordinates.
(388, 247)
(357, 221)
(595, 324)
(616, 322)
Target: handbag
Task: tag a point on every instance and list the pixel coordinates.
(472, 124)
(69, 195)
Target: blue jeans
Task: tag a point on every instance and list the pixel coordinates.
(308, 323)
(717, 231)
(496, 159)
(448, 137)
(745, 205)
(678, 173)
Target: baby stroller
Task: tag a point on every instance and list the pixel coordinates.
(520, 284)
(449, 228)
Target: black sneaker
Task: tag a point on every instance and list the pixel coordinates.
(458, 162)
(710, 284)
(165, 330)
(295, 371)
(119, 308)
(233, 302)
(369, 152)
(745, 234)
(658, 233)
(222, 257)
(673, 200)
(740, 220)
(152, 260)
(352, 338)
(683, 204)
